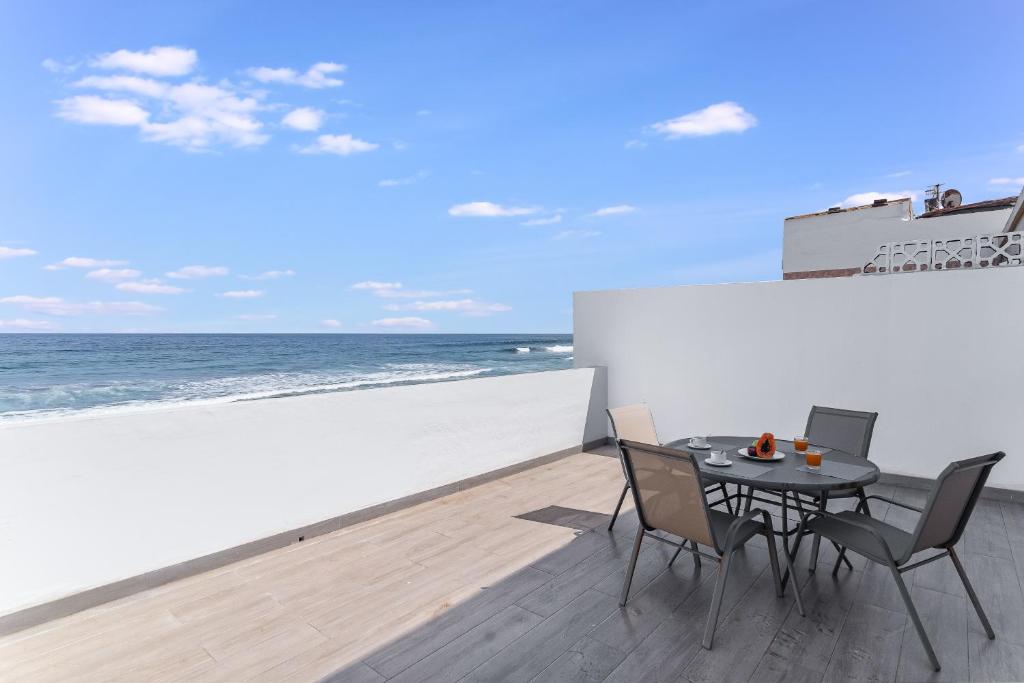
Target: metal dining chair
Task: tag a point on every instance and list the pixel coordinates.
(635, 423)
(844, 430)
(942, 522)
(669, 497)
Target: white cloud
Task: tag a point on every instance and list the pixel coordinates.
(409, 322)
(634, 144)
(614, 210)
(550, 220)
(113, 274)
(100, 111)
(304, 118)
(376, 286)
(257, 316)
(423, 112)
(157, 61)
(198, 272)
(723, 117)
(490, 209)
(331, 323)
(242, 294)
(315, 77)
(150, 287)
(270, 275)
(15, 252)
(898, 174)
(342, 145)
(576, 234)
(53, 305)
(1007, 181)
(865, 198)
(470, 307)
(57, 67)
(26, 325)
(192, 115)
(394, 290)
(83, 262)
(409, 180)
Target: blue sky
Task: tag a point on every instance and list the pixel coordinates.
(461, 166)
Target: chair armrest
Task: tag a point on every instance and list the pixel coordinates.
(766, 521)
(863, 527)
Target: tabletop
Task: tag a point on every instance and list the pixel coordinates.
(781, 475)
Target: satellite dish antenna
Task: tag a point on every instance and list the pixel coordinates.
(951, 199)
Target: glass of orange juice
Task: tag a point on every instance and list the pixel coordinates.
(814, 459)
(800, 443)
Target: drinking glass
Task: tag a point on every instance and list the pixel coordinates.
(813, 459)
(800, 443)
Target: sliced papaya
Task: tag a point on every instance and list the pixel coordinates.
(765, 446)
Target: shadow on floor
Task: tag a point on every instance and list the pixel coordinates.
(558, 619)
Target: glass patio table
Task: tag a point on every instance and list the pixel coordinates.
(840, 470)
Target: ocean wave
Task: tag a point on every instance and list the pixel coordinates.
(559, 348)
(523, 349)
(234, 389)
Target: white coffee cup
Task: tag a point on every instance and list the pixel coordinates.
(718, 457)
(698, 442)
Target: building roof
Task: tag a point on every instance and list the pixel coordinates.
(837, 209)
(987, 205)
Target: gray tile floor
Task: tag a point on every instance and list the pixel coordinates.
(559, 619)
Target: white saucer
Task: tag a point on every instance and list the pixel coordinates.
(718, 464)
(699, 448)
(779, 455)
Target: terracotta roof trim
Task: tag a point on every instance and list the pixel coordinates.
(987, 205)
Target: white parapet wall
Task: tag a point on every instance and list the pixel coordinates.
(90, 501)
(935, 354)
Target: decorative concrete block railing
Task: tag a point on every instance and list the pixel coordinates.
(976, 251)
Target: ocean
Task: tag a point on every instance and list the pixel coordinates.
(50, 376)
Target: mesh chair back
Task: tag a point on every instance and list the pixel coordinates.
(667, 490)
(846, 430)
(951, 502)
(633, 423)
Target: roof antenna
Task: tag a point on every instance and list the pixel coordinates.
(933, 198)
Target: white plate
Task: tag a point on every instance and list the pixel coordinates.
(699, 448)
(718, 464)
(779, 455)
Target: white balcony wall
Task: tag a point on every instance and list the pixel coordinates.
(86, 502)
(935, 354)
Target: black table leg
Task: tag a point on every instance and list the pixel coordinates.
(822, 503)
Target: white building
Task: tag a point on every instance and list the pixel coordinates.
(840, 242)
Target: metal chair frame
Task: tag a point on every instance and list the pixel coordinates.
(720, 488)
(899, 565)
(724, 549)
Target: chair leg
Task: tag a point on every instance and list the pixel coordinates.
(816, 542)
(970, 592)
(676, 554)
(863, 502)
(716, 600)
(632, 565)
(615, 515)
(773, 557)
(914, 617)
(791, 571)
(696, 557)
(750, 499)
(839, 561)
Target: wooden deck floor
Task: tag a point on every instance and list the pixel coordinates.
(517, 580)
